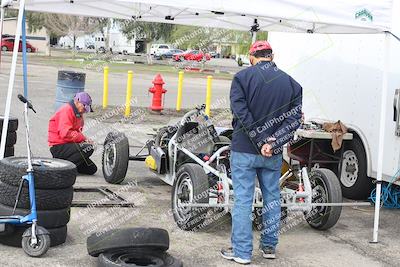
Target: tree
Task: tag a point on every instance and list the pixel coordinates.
(71, 26)
(151, 31)
(244, 39)
(186, 37)
(104, 26)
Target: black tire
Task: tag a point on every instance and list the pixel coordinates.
(12, 124)
(46, 199)
(49, 173)
(28, 50)
(326, 189)
(353, 176)
(46, 218)
(163, 136)
(190, 218)
(128, 238)
(42, 245)
(115, 157)
(9, 152)
(4, 48)
(58, 236)
(137, 258)
(11, 139)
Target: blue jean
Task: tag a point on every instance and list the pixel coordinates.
(245, 167)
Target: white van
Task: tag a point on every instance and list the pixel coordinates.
(342, 78)
(157, 49)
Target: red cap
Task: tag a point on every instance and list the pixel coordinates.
(258, 46)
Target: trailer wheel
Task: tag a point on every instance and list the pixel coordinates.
(190, 186)
(353, 174)
(325, 189)
(115, 157)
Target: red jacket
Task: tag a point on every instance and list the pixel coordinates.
(65, 126)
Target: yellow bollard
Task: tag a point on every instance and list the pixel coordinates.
(179, 96)
(208, 96)
(105, 87)
(128, 94)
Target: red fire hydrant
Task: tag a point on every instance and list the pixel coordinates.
(157, 90)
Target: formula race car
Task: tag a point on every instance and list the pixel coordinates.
(193, 157)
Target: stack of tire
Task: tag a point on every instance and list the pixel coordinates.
(132, 247)
(54, 179)
(11, 135)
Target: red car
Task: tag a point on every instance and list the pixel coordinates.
(7, 44)
(192, 55)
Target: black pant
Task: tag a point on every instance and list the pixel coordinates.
(77, 153)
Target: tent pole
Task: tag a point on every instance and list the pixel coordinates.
(24, 56)
(12, 79)
(381, 138)
(253, 37)
(1, 27)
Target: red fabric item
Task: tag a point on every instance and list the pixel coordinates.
(258, 46)
(65, 127)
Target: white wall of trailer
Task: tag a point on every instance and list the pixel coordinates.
(341, 77)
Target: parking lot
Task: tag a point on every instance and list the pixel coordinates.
(347, 244)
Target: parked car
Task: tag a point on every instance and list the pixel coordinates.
(101, 50)
(243, 60)
(159, 48)
(196, 55)
(7, 44)
(169, 53)
(214, 54)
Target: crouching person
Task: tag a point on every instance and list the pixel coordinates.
(65, 136)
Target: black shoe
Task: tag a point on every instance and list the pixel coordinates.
(229, 255)
(268, 253)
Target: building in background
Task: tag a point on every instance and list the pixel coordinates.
(39, 39)
(117, 42)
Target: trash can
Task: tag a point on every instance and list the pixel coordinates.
(68, 84)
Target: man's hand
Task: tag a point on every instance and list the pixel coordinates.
(266, 150)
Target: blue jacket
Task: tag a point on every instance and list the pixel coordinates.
(265, 102)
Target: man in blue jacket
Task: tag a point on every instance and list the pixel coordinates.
(266, 106)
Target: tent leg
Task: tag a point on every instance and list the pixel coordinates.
(1, 28)
(12, 79)
(381, 138)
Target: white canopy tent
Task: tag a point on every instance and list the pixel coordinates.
(309, 16)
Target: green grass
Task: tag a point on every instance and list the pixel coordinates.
(116, 67)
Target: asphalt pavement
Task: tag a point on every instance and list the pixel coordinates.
(347, 244)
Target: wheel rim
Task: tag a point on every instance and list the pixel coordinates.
(4, 48)
(135, 259)
(349, 172)
(39, 162)
(319, 195)
(110, 154)
(183, 194)
(38, 246)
